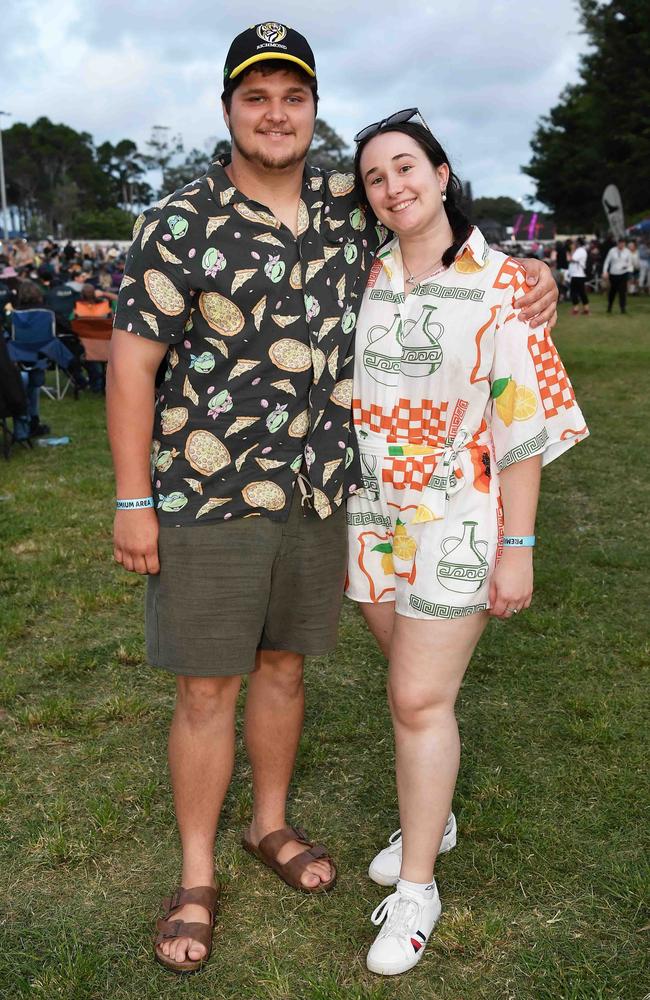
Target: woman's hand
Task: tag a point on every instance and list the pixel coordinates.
(539, 305)
(135, 540)
(511, 586)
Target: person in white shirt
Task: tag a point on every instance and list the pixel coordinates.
(616, 269)
(578, 277)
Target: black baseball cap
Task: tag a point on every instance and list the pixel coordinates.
(269, 40)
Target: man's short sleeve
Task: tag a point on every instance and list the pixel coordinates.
(155, 298)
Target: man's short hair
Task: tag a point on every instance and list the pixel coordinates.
(267, 68)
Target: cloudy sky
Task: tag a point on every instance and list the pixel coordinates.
(481, 71)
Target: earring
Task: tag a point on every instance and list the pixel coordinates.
(444, 195)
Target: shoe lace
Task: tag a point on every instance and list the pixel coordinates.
(397, 835)
(399, 911)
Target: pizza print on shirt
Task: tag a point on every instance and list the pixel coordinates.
(257, 385)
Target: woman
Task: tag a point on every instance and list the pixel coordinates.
(457, 404)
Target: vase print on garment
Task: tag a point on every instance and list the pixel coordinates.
(463, 567)
(421, 353)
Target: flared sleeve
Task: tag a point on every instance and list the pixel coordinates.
(533, 408)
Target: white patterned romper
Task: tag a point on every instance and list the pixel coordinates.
(450, 387)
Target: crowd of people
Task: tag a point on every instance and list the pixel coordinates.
(620, 267)
(71, 282)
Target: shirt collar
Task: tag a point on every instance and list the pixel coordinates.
(313, 183)
(475, 246)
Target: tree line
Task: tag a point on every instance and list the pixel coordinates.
(599, 131)
(60, 181)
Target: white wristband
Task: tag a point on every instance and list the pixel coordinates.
(519, 541)
(137, 504)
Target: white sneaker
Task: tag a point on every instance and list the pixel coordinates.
(409, 919)
(385, 866)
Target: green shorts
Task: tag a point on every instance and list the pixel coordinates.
(226, 590)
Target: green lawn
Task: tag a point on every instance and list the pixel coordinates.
(543, 897)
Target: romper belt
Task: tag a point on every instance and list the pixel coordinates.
(444, 481)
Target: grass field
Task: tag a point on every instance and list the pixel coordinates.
(543, 897)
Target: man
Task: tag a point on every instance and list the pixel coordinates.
(247, 281)
(616, 270)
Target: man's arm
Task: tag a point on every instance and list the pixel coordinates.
(606, 264)
(539, 305)
(130, 396)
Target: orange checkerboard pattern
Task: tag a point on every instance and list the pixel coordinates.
(409, 473)
(511, 274)
(423, 423)
(554, 385)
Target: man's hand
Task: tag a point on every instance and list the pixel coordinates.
(511, 586)
(538, 306)
(135, 540)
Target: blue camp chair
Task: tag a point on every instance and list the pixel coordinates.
(34, 345)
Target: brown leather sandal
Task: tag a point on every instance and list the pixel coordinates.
(166, 928)
(290, 872)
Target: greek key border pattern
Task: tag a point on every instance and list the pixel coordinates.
(525, 450)
(443, 610)
(367, 517)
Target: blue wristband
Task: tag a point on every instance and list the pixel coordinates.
(519, 541)
(136, 504)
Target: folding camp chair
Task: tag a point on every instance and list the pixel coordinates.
(34, 344)
(13, 401)
(95, 334)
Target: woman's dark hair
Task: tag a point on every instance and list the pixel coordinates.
(267, 67)
(460, 224)
(29, 295)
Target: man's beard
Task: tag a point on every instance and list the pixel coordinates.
(280, 162)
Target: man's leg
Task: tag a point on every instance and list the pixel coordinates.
(201, 756)
(275, 705)
(611, 294)
(622, 292)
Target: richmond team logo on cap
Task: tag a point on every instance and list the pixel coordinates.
(271, 32)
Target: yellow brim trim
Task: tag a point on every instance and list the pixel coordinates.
(270, 55)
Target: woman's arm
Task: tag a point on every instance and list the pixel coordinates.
(511, 585)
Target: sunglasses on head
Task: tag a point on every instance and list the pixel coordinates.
(399, 118)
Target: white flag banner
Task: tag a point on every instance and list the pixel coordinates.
(614, 210)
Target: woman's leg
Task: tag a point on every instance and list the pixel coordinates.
(583, 295)
(427, 662)
(380, 619)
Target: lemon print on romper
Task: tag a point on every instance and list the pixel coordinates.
(465, 264)
(525, 403)
(386, 550)
(404, 547)
(504, 391)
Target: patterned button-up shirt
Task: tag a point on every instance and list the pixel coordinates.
(258, 382)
